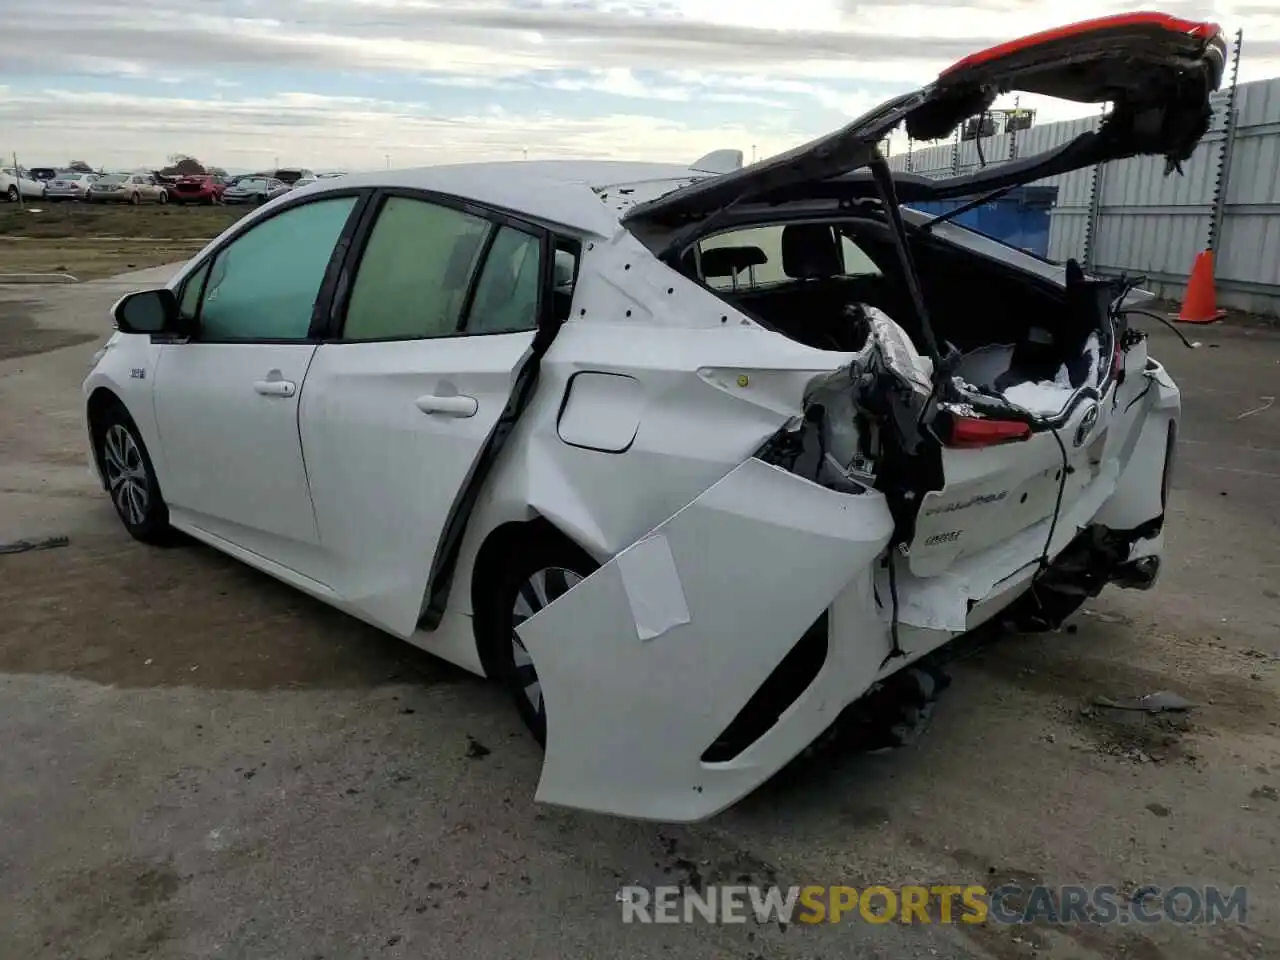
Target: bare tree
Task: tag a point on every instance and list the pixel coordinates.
(79, 166)
(181, 165)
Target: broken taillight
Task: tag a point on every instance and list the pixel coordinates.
(1085, 28)
(970, 432)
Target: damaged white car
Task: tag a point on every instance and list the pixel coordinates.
(690, 459)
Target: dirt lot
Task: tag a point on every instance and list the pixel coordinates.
(200, 762)
(93, 241)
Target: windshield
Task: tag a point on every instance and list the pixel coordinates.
(113, 178)
(250, 184)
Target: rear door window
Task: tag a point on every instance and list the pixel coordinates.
(506, 297)
(415, 272)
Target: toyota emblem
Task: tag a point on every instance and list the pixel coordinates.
(1087, 423)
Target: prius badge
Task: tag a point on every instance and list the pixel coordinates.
(1087, 423)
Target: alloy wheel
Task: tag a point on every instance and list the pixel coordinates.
(126, 474)
(542, 588)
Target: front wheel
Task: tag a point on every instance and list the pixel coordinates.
(12, 194)
(538, 572)
(164, 197)
(130, 477)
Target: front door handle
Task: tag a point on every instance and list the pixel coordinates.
(275, 388)
(456, 405)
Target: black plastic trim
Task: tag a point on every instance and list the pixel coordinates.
(449, 545)
(793, 675)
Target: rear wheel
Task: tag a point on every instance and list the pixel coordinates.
(130, 477)
(539, 571)
(135, 199)
(12, 194)
(164, 197)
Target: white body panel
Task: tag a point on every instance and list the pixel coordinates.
(390, 432)
(341, 489)
(686, 625)
(232, 456)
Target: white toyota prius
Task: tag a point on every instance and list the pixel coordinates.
(690, 458)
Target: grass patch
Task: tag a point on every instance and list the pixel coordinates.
(94, 241)
(57, 221)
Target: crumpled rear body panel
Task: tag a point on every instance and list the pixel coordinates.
(684, 626)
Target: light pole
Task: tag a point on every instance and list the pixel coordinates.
(753, 153)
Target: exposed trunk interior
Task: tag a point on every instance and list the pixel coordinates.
(1018, 336)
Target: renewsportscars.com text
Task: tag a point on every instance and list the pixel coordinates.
(940, 903)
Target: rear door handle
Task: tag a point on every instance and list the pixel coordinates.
(275, 388)
(457, 405)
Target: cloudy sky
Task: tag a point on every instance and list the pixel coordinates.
(357, 84)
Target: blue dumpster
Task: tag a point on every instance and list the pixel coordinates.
(1020, 218)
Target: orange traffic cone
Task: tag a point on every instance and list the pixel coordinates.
(1201, 302)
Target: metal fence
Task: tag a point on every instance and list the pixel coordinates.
(1129, 217)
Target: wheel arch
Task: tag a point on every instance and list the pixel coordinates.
(100, 401)
(497, 546)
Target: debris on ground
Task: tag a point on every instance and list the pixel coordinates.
(41, 543)
(476, 749)
(891, 715)
(1158, 702)
(1266, 792)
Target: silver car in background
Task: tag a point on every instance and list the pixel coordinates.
(134, 188)
(70, 185)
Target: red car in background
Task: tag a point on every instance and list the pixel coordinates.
(197, 188)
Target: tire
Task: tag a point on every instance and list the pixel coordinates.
(131, 479)
(164, 197)
(556, 563)
(135, 199)
(12, 195)
(262, 198)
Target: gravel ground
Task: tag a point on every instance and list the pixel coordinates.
(200, 762)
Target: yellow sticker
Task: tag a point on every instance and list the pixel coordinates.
(742, 380)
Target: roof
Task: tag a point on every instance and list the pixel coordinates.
(584, 195)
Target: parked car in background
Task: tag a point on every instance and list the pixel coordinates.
(43, 174)
(291, 175)
(255, 190)
(198, 188)
(135, 188)
(70, 185)
(16, 181)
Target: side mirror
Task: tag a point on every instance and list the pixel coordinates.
(147, 311)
